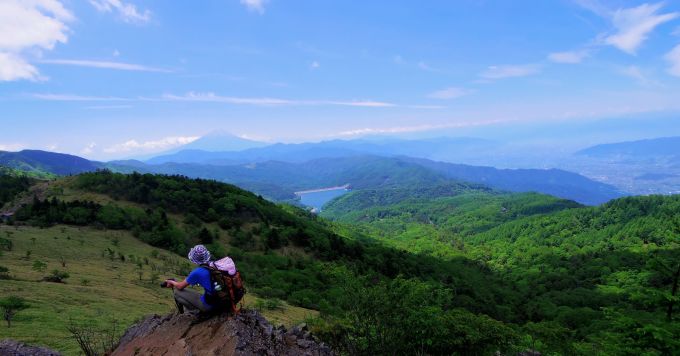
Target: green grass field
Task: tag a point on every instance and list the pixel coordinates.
(101, 287)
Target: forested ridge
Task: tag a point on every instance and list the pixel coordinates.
(471, 272)
(598, 279)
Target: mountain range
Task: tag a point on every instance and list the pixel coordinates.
(278, 180)
(43, 162)
(433, 148)
(657, 147)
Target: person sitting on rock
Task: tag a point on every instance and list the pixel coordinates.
(188, 299)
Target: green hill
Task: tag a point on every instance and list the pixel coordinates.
(445, 270)
(46, 164)
(113, 280)
(599, 280)
(422, 219)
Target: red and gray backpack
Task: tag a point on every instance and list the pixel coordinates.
(227, 284)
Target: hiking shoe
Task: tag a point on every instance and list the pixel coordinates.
(201, 317)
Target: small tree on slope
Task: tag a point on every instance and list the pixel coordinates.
(10, 306)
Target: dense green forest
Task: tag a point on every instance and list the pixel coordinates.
(12, 183)
(597, 279)
(473, 271)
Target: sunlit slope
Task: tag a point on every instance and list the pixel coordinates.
(102, 287)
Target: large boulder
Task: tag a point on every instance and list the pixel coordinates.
(15, 348)
(247, 333)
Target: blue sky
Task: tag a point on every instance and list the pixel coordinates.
(116, 78)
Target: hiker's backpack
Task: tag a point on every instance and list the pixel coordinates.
(227, 284)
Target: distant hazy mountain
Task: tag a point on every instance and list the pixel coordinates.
(556, 182)
(657, 147)
(434, 148)
(47, 162)
(278, 180)
(222, 141)
(218, 141)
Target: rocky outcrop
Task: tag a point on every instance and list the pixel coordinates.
(14, 348)
(247, 333)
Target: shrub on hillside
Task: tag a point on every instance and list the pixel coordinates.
(4, 273)
(57, 276)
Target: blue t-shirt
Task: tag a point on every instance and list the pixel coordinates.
(201, 276)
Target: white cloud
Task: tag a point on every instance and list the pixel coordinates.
(108, 107)
(164, 143)
(405, 129)
(116, 53)
(570, 57)
(46, 20)
(673, 57)
(89, 149)
(426, 67)
(315, 65)
(13, 67)
(509, 71)
(448, 93)
(634, 25)
(128, 12)
(212, 97)
(71, 97)
(360, 103)
(636, 73)
(254, 5)
(105, 65)
(11, 147)
(209, 97)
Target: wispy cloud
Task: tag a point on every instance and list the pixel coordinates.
(14, 67)
(509, 71)
(212, 97)
(673, 58)
(255, 5)
(314, 65)
(428, 68)
(27, 26)
(89, 149)
(419, 128)
(108, 107)
(635, 24)
(449, 93)
(105, 65)
(636, 73)
(155, 145)
(209, 97)
(11, 146)
(127, 11)
(569, 57)
(594, 6)
(71, 97)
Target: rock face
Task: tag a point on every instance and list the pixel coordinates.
(14, 348)
(247, 333)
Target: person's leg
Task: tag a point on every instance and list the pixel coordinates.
(189, 299)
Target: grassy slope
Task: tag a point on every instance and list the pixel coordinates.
(114, 290)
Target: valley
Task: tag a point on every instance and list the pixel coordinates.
(513, 266)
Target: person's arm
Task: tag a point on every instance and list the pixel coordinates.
(179, 285)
